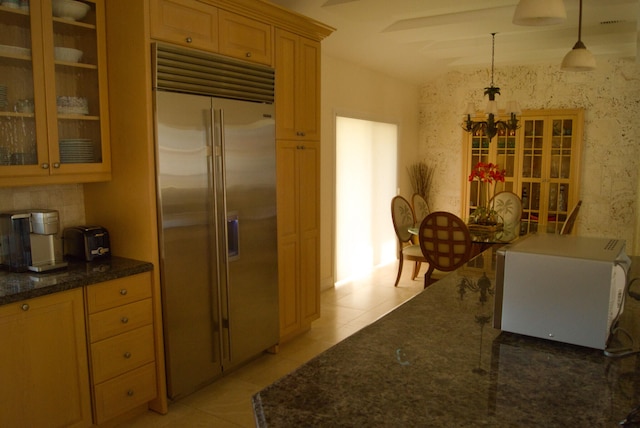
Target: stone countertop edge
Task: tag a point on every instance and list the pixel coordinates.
(18, 286)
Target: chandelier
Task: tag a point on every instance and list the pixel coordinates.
(491, 126)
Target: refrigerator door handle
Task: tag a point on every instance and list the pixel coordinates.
(224, 245)
(221, 321)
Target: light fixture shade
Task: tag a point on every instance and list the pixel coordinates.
(579, 59)
(470, 110)
(540, 12)
(492, 108)
(513, 107)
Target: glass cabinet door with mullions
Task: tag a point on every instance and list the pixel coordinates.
(501, 150)
(549, 172)
(20, 102)
(55, 117)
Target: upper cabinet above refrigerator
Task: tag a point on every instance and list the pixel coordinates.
(53, 95)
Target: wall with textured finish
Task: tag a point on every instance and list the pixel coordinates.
(610, 171)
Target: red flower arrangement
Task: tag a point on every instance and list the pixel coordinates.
(486, 174)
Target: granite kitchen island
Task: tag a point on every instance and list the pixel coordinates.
(436, 361)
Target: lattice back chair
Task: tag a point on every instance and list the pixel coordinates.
(445, 242)
(509, 206)
(567, 227)
(420, 207)
(403, 218)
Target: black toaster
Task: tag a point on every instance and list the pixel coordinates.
(86, 243)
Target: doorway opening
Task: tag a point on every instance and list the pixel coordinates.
(366, 180)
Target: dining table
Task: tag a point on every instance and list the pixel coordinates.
(482, 238)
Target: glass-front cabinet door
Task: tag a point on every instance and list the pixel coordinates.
(20, 101)
(549, 175)
(54, 123)
(502, 150)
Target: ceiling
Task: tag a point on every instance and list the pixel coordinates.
(415, 40)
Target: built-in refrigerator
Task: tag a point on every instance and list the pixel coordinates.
(216, 176)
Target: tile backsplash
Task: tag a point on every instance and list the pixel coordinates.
(67, 199)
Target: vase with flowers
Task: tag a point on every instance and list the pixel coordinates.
(487, 175)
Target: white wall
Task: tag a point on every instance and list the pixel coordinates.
(610, 173)
(353, 91)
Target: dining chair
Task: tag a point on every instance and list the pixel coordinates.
(420, 207)
(567, 227)
(445, 242)
(403, 218)
(509, 207)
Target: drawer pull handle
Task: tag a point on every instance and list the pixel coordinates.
(123, 292)
(25, 307)
(248, 54)
(130, 393)
(124, 320)
(188, 40)
(127, 355)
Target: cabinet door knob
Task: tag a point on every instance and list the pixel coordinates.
(25, 307)
(188, 40)
(248, 54)
(44, 166)
(123, 292)
(124, 320)
(56, 164)
(127, 355)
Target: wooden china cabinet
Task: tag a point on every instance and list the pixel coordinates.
(53, 105)
(542, 164)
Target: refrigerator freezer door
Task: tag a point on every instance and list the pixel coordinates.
(189, 269)
(248, 145)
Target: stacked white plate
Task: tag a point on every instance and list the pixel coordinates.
(3, 97)
(77, 150)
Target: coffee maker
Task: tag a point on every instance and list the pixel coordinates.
(46, 243)
(15, 245)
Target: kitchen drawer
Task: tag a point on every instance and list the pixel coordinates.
(124, 393)
(109, 294)
(119, 320)
(116, 355)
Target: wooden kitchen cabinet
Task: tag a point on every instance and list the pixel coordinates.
(53, 107)
(190, 23)
(245, 38)
(298, 169)
(121, 345)
(297, 63)
(43, 362)
(542, 163)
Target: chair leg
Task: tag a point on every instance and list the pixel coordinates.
(416, 270)
(427, 276)
(400, 261)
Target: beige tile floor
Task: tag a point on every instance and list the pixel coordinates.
(345, 310)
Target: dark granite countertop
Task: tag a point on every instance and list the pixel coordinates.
(436, 361)
(26, 285)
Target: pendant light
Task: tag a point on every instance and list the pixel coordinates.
(539, 12)
(491, 127)
(579, 58)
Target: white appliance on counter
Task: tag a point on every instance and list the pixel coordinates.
(561, 287)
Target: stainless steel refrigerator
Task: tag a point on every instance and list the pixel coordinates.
(217, 212)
